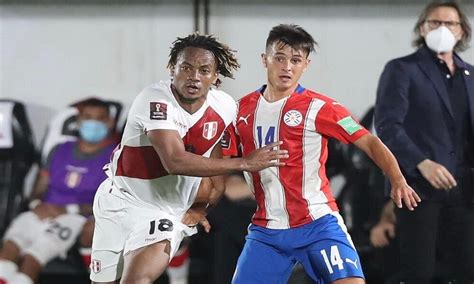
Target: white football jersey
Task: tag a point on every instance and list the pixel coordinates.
(136, 167)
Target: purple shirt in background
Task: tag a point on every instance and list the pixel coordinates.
(74, 177)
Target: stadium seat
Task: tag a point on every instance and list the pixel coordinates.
(17, 155)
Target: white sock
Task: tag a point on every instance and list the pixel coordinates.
(21, 278)
(7, 269)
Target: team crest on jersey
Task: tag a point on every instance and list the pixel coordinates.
(209, 130)
(293, 118)
(96, 266)
(158, 111)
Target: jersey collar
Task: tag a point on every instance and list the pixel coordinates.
(299, 89)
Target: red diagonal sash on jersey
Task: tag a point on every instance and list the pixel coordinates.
(291, 177)
(144, 163)
(245, 126)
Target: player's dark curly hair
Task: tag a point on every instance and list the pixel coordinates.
(224, 56)
(293, 35)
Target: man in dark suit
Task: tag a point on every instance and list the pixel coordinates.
(425, 115)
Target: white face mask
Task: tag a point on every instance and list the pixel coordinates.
(440, 40)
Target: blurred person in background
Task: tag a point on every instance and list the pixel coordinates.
(61, 201)
(425, 114)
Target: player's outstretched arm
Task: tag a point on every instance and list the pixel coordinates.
(170, 148)
(209, 193)
(385, 160)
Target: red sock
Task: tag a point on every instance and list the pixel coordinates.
(180, 258)
(86, 256)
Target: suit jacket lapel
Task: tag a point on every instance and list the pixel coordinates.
(469, 81)
(429, 67)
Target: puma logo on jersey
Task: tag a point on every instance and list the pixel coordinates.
(352, 262)
(244, 119)
(336, 103)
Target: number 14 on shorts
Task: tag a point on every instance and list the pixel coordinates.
(334, 259)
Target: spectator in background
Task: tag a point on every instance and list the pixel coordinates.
(61, 206)
(425, 115)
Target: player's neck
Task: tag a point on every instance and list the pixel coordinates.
(272, 94)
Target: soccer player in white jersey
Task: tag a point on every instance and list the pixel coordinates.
(171, 139)
(297, 219)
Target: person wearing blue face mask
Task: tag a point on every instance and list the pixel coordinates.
(61, 206)
(424, 113)
(93, 131)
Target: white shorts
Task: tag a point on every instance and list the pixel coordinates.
(122, 226)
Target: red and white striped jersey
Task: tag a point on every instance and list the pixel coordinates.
(299, 192)
(136, 167)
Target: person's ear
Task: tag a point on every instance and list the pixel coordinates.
(423, 30)
(216, 78)
(264, 59)
(172, 69)
(110, 123)
(307, 62)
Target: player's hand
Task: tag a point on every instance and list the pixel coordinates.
(402, 191)
(381, 234)
(437, 175)
(267, 156)
(196, 215)
(46, 210)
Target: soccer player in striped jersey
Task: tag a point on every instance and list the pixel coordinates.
(297, 218)
(171, 139)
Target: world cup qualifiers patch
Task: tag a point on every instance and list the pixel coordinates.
(349, 125)
(158, 111)
(225, 140)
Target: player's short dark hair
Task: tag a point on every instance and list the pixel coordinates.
(462, 44)
(293, 35)
(93, 102)
(224, 56)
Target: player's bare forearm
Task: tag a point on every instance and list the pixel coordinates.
(170, 148)
(41, 185)
(217, 182)
(210, 191)
(385, 160)
(382, 157)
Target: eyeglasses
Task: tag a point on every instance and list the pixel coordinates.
(434, 24)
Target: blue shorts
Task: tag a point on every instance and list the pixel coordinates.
(323, 247)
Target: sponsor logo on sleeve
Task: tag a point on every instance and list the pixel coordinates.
(225, 140)
(349, 125)
(158, 111)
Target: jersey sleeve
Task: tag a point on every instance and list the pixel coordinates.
(334, 120)
(152, 112)
(230, 142)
